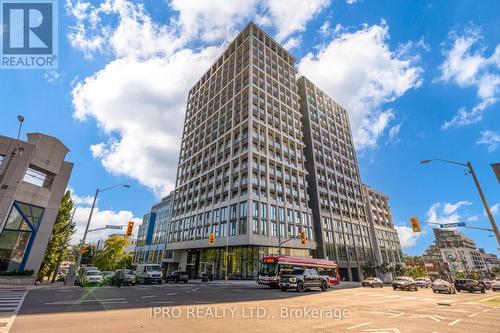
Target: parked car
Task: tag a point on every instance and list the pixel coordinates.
(486, 283)
(302, 279)
(91, 277)
(469, 285)
(423, 282)
(106, 276)
(442, 286)
(177, 276)
(404, 283)
(495, 286)
(147, 273)
(123, 277)
(372, 282)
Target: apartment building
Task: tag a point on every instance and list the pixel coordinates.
(342, 230)
(152, 233)
(33, 179)
(385, 239)
(459, 254)
(263, 157)
(241, 172)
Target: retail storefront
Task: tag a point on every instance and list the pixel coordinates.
(242, 261)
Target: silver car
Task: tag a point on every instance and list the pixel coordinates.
(443, 286)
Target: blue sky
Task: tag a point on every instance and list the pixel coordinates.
(420, 79)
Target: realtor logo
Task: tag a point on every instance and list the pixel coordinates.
(29, 34)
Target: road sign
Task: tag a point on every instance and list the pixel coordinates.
(452, 225)
(108, 226)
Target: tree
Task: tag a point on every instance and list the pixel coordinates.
(368, 269)
(113, 254)
(399, 269)
(59, 243)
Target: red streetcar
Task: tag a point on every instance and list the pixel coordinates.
(271, 267)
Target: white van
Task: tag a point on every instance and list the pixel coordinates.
(147, 273)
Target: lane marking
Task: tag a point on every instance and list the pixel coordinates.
(85, 301)
(359, 325)
(473, 315)
(149, 296)
(205, 302)
(171, 294)
(455, 322)
(162, 302)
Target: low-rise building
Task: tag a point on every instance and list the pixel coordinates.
(152, 234)
(33, 179)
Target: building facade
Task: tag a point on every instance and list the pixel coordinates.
(335, 192)
(459, 254)
(241, 171)
(33, 179)
(152, 233)
(385, 239)
(265, 156)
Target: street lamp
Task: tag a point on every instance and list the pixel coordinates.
(468, 165)
(79, 258)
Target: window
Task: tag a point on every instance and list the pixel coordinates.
(17, 234)
(255, 226)
(243, 209)
(273, 213)
(233, 211)
(232, 231)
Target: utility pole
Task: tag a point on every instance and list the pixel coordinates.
(483, 199)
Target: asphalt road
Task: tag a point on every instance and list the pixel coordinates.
(200, 307)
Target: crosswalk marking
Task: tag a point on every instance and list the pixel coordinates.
(11, 301)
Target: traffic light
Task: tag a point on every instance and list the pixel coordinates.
(130, 228)
(211, 238)
(302, 236)
(84, 249)
(415, 225)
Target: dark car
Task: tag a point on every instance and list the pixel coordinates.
(123, 277)
(301, 279)
(469, 285)
(404, 283)
(372, 282)
(177, 276)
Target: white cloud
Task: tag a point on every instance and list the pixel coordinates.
(138, 99)
(360, 71)
(100, 218)
(80, 201)
(213, 20)
(489, 138)
(351, 2)
(291, 16)
(52, 76)
(495, 209)
(292, 43)
(393, 132)
(469, 68)
(141, 106)
(407, 237)
(446, 212)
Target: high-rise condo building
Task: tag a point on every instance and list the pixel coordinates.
(341, 227)
(265, 156)
(241, 172)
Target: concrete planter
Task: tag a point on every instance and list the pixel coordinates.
(17, 280)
